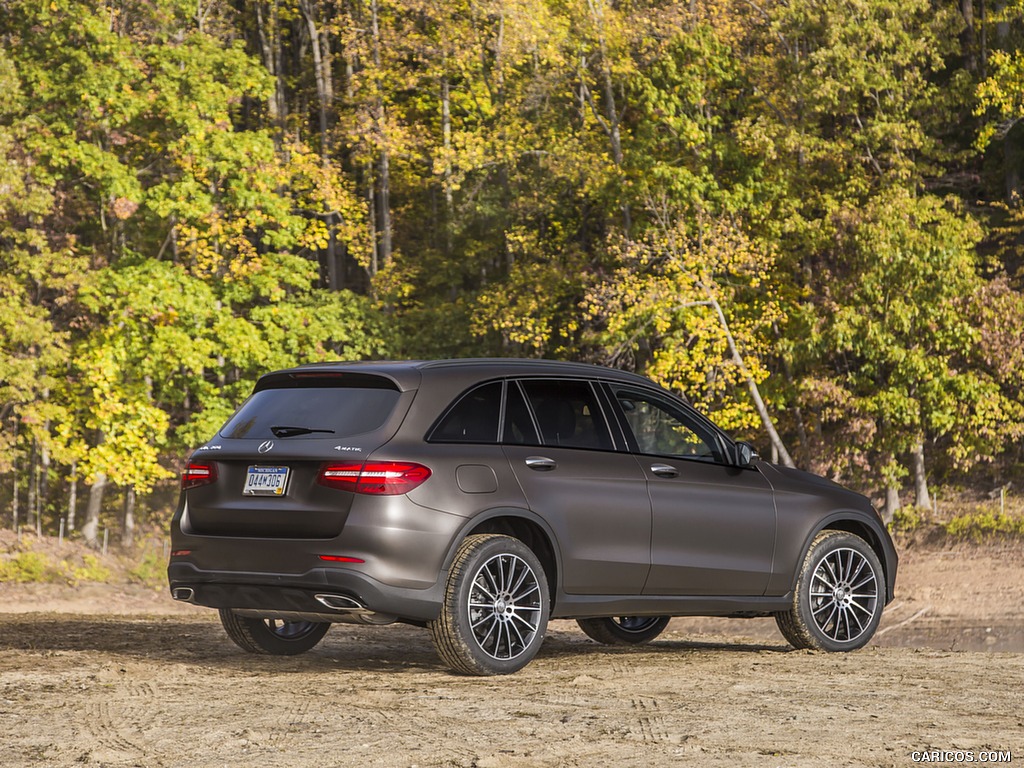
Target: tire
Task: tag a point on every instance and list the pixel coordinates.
(624, 630)
(273, 636)
(495, 609)
(839, 595)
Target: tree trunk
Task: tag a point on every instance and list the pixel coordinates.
(270, 51)
(384, 164)
(983, 44)
(321, 73)
(923, 500)
(755, 393)
(128, 525)
(43, 491)
(91, 528)
(384, 208)
(1012, 155)
(968, 38)
(449, 197)
(14, 474)
(33, 484)
(72, 495)
(892, 503)
(612, 122)
(446, 137)
(371, 218)
(320, 48)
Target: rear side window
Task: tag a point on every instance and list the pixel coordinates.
(567, 413)
(473, 419)
(324, 411)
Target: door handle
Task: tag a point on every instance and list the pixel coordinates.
(540, 463)
(664, 470)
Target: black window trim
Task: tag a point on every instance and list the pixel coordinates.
(514, 382)
(616, 427)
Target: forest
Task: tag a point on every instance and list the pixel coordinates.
(811, 204)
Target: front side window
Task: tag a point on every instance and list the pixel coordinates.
(567, 413)
(661, 429)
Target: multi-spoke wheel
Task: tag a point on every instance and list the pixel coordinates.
(496, 607)
(839, 595)
(624, 630)
(275, 636)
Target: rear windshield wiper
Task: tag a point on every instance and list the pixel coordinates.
(280, 431)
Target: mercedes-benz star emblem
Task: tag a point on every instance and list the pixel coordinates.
(265, 446)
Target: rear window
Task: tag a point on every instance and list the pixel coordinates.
(330, 411)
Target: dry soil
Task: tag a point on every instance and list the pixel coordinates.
(122, 676)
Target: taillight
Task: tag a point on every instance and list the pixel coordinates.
(198, 474)
(380, 478)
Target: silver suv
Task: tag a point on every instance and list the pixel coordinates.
(481, 498)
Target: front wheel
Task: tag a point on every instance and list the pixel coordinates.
(273, 636)
(495, 609)
(839, 595)
(624, 630)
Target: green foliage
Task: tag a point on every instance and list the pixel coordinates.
(27, 566)
(91, 569)
(907, 520)
(985, 525)
(893, 323)
(150, 570)
(189, 198)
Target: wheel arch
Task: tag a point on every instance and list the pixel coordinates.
(849, 522)
(520, 524)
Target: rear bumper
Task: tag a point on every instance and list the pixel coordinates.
(296, 593)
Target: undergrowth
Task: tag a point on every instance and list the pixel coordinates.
(980, 526)
(975, 522)
(27, 566)
(42, 560)
(150, 570)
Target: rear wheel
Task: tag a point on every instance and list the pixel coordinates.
(495, 609)
(273, 636)
(624, 630)
(839, 595)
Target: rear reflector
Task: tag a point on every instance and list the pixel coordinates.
(341, 559)
(198, 474)
(379, 478)
(181, 552)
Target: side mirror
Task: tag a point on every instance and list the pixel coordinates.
(745, 453)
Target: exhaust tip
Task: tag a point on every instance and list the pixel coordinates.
(184, 594)
(340, 603)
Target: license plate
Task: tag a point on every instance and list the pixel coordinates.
(265, 481)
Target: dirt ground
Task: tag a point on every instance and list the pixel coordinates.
(123, 676)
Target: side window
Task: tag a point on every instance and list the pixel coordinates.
(473, 419)
(661, 429)
(519, 429)
(567, 413)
